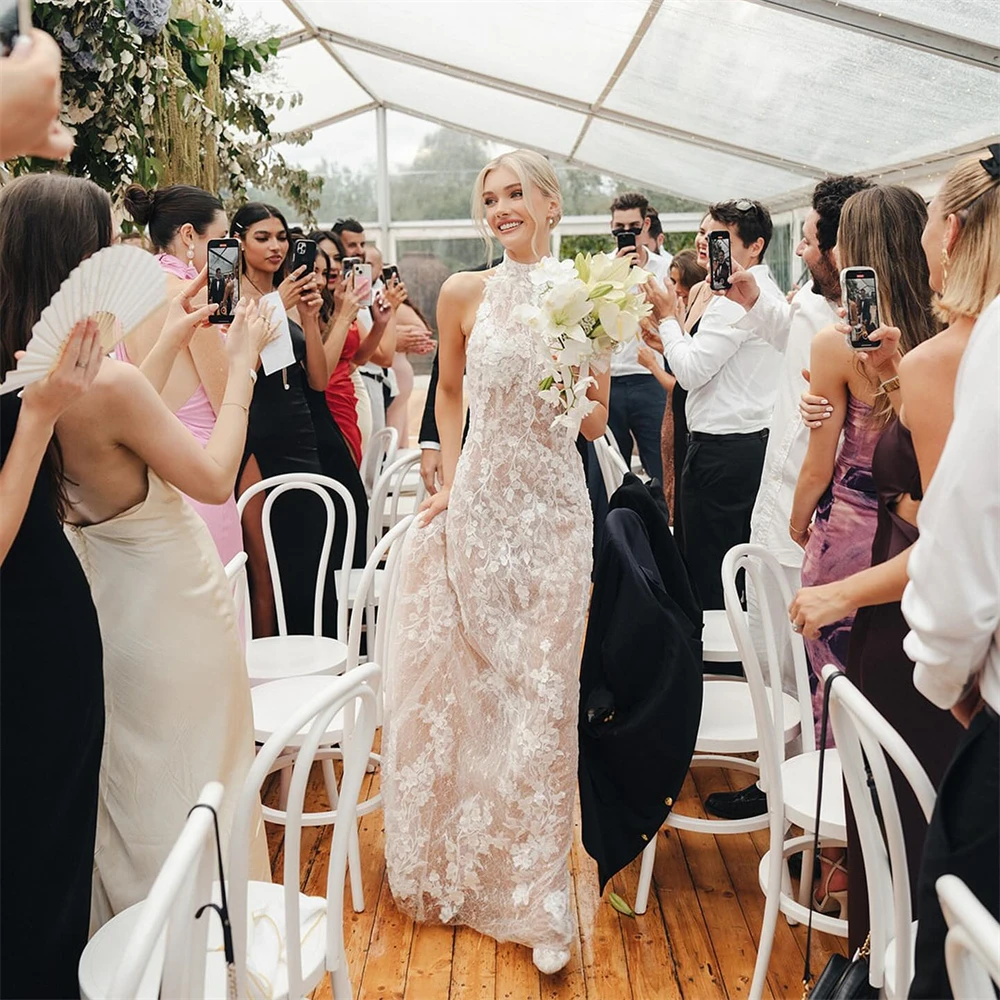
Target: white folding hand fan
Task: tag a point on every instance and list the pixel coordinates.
(118, 287)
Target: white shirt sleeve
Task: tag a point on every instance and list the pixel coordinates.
(770, 319)
(696, 360)
(952, 602)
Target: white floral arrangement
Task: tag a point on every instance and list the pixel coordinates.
(587, 308)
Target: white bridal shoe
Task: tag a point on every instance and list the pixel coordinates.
(549, 960)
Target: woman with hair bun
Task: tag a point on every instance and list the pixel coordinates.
(180, 220)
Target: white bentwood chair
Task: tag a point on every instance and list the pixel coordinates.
(610, 461)
(972, 947)
(758, 717)
(380, 453)
(158, 946)
(274, 657)
(276, 701)
(865, 737)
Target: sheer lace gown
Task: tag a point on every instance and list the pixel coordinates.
(483, 669)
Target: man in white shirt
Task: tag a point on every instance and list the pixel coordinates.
(788, 328)
(635, 408)
(731, 375)
(952, 605)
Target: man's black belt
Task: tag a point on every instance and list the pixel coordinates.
(702, 436)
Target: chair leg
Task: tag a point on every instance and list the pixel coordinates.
(805, 886)
(340, 983)
(777, 872)
(354, 845)
(286, 784)
(645, 876)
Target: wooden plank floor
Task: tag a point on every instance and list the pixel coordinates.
(697, 940)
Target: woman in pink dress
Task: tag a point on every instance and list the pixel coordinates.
(181, 220)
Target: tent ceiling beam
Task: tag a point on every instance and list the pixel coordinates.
(311, 32)
(558, 157)
(843, 14)
(640, 34)
(554, 100)
(291, 134)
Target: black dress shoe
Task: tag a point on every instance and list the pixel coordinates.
(747, 802)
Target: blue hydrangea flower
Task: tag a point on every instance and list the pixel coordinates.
(86, 61)
(149, 17)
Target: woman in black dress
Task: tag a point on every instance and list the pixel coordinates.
(920, 389)
(281, 438)
(52, 697)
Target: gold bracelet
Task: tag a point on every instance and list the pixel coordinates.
(797, 531)
(245, 409)
(890, 384)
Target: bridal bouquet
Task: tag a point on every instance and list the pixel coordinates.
(586, 309)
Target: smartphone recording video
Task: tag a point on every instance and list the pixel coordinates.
(361, 274)
(224, 278)
(389, 272)
(15, 20)
(625, 240)
(303, 254)
(720, 260)
(859, 292)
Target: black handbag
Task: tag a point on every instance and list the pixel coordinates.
(842, 978)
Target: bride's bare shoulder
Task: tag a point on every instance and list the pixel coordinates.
(464, 287)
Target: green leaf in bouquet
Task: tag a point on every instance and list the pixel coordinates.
(620, 905)
(599, 291)
(546, 383)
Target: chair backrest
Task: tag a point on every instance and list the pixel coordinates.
(183, 885)
(972, 947)
(381, 452)
(236, 574)
(352, 693)
(612, 465)
(863, 735)
(764, 574)
(383, 511)
(321, 486)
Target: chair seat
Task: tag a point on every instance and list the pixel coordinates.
(727, 720)
(265, 953)
(891, 988)
(280, 656)
(798, 785)
(717, 642)
(274, 702)
(355, 581)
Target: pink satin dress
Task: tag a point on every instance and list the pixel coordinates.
(198, 417)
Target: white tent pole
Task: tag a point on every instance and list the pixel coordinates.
(386, 234)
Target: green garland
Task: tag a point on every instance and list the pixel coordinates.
(183, 105)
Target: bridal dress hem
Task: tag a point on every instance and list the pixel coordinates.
(483, 669)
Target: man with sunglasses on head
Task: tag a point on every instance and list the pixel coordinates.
(731, 375)
(637, 399)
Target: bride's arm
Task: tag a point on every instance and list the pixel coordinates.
(596, 422)
(449, 411)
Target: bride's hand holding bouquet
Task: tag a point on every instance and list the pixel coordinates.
(586, 309)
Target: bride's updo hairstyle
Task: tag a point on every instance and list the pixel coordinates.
(536, 175)
(163, 212)
(972, 278)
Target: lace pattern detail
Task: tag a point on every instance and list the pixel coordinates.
(483, 669)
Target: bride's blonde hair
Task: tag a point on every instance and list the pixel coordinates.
(535, 174)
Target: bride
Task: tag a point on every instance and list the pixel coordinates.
(483, 671)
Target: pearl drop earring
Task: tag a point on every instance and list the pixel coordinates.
(190, 253)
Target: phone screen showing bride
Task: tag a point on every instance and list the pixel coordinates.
(223, 278)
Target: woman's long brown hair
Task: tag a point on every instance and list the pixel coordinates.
(880, 228)
(49, 223)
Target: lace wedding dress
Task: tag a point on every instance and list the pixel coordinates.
(480, 764)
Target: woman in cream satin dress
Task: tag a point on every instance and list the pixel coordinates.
(177, 698)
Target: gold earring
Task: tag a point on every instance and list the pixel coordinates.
(945, 262)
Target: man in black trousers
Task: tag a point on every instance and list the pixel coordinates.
(731, 377)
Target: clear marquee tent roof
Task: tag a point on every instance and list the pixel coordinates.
(705, 99)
